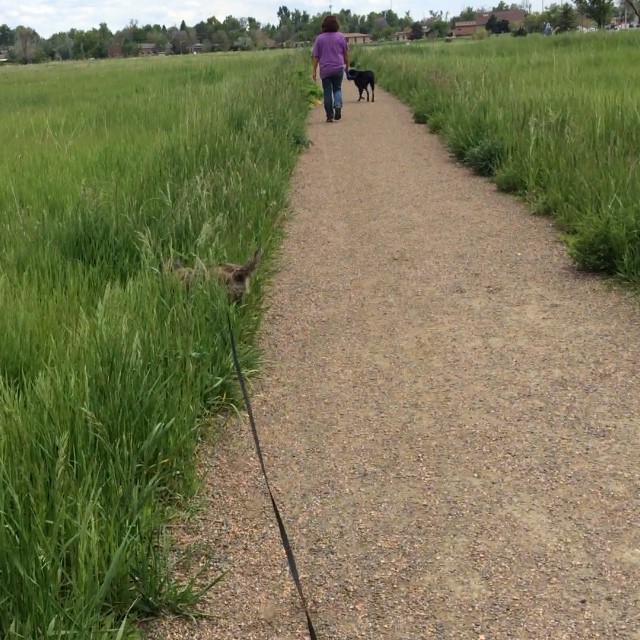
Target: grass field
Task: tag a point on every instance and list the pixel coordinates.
(106, 369)
(556, 120)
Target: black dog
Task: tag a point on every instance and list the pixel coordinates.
(362, 80)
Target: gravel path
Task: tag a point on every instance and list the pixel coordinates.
(449, 415)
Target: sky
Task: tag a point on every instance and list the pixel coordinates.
(50, 16)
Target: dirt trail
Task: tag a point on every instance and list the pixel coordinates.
(449, 415)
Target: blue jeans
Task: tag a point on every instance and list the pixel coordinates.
(332, 89)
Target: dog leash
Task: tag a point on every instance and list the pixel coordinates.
(283, 533)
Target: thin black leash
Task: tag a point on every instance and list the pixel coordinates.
(283, 533)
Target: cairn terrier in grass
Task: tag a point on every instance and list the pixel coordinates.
(234, 277)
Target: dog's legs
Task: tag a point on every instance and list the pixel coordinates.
(373, 95)
(367, 90)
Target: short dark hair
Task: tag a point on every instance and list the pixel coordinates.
(330, 24)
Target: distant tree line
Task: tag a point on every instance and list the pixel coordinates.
(561, 16)
(24, 45)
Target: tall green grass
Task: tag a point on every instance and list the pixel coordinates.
(552, 119)
(107, 369)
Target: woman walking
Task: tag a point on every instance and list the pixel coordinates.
(331, 53)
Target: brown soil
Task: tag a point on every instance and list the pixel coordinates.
(449, 415)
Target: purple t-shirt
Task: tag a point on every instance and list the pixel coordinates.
(330, 48)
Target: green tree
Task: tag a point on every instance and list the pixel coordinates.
(243, 43)
(202, 31)
(284, 34)
(104, 38)
(284, 16)
(467, 15)
(416, 31)
(385, 33)
(157, 37)
(392, 18)
(598, 10)
(381, 22)
(26, 45)
(130, 48)
(567, 17)
(6, 36)
(220, 41)
(259, 38)
(534, 22)
(492, 24)
(179, 42)
(60, 46)
(93, 43)
(77, 40)
(438, 23)
(552, 14)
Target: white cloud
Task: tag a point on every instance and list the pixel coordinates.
(50, 16)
